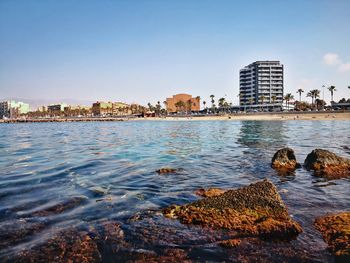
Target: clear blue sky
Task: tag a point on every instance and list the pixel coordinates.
(144, 51)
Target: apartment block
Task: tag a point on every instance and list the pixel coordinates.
(261, 83)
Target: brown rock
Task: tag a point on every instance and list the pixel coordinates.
(167, 170)
(284, 159)
(210, 192)
(230, 243)
(335, 230)
(67, 246)
(61, 207)
(327, 164)
(254, 210)
(15, 231)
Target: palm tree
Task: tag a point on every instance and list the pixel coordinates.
(310, 94)
(287, 98)
(149, 106)
(274, 97)
(158, 107)
(300, 91)
(180, 105)
(212, 102)
(332, 89)
(189, 106)
(314, 94)
(262, 98)
(251, 101)
(221, 102)
(166, 107)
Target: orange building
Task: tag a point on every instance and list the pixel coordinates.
(183, 102)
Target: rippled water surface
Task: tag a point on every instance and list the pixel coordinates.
(107, 171)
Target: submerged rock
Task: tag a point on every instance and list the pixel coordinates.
(210, 192)
(61, 207)
(254, 210)
(335, 230)
(67, 246)
(16, 231)
(327, 164)
(284, 159)
(168, 170)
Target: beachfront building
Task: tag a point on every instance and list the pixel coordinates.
(77, 111)
(182, 103)
(13, 109)
(101, 108)
(261, 83)
(56, 109)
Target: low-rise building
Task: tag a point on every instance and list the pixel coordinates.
(42, 109)
(75, 111)
(101, 108)
(182, 103)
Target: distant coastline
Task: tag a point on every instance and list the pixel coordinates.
(281, 116)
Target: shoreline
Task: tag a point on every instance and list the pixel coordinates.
(277, 116)
(283, 116)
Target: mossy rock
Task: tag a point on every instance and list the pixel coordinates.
(335, 230)
(327, 164)
(284, 160)
(254, 210)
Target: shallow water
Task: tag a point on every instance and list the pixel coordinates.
(109, 168)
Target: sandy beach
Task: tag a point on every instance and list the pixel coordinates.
(283, 116)
(264, 117)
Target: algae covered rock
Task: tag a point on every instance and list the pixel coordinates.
(284, 159)
(327, 164)
(230, 243)
(210, 192)
(168, 170)
(67, 246)
(335, 230)
(255, 210)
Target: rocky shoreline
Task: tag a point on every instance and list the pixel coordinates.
(239, 221)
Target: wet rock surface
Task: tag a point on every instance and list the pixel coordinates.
(327, 164)
(210, 192)
(61, 207)
(254, 210)
(13, 232)
(67, 246)
(284, 160)
(169, 170)
(335, 230)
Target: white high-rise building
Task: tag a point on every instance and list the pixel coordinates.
(261, 83)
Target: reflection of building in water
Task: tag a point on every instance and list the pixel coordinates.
(262, 134)
(185, 140)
